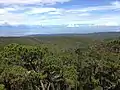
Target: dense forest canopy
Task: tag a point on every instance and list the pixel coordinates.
(95, 66)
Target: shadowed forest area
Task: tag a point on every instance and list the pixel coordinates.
(59, 63)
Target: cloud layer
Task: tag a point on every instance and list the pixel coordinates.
(38, 12)
(32, 1)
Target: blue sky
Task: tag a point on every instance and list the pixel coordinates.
(59, 12)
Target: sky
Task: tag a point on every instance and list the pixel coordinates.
(60, 12)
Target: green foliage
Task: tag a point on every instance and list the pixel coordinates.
(2, 87)
(93, 67)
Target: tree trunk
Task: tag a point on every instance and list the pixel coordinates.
(69, 88)
(58, 86)
(48, 88)
(52, 85)
(7, 85)
(43, 88)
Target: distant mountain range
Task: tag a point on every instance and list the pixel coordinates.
(22, 30)
(98, 35)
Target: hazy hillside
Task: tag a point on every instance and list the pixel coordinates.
(58, 41)
(61, 40)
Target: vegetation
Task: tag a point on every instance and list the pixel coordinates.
(87, 65)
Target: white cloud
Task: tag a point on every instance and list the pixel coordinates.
(12, 19)
(55, 13)
(32, 1)
(10, 9)
(108, 20)
(111, 24)
(40, 10)
(33, 15)
(2, 11)
(116, 3)
(6, 16)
